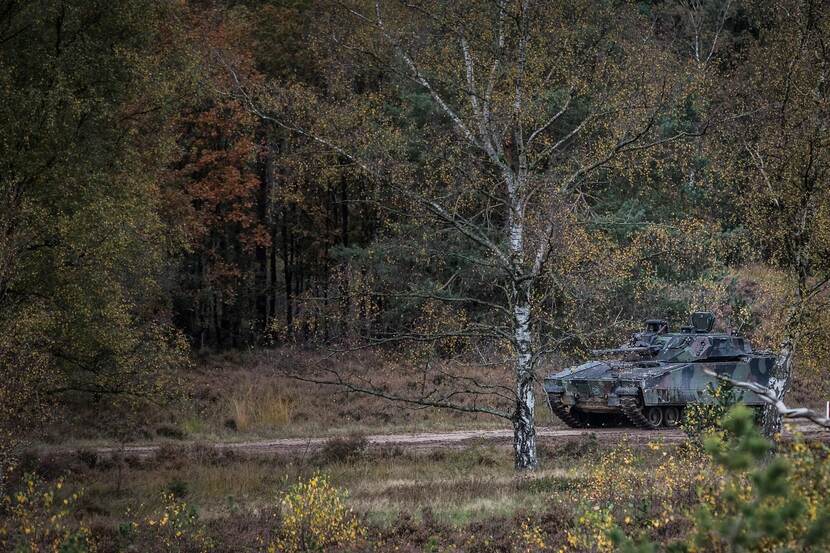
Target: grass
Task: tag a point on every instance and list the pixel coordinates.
(468, 498)
(260, 406)
(455, 486)
(243, 397)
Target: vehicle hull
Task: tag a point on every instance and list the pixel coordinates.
(598, 388)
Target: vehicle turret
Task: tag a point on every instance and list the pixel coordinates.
(643, 344)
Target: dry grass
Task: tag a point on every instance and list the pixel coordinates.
(456, 486)
(405, 498)
(247, 396)
(259, 406)
(239, 397)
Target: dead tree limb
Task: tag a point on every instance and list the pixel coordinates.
(769, 397)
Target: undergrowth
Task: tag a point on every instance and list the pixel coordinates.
(729, 493)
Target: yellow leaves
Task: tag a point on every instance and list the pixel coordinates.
(623, 481)
(592, 532)
(35, 522)
(175, 526)
(529, 537)
(314, 515)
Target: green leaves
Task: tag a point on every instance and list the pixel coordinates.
(704, 418)
(746, 446)
(86, 90)
(758, 502)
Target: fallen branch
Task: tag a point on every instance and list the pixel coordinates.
(769, 397)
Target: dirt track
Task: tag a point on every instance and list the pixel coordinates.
(436, 440)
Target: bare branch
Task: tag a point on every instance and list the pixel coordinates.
(755, 154)
(336, 379)
(451, 299)
(473, 92)
(550, 121)
(472, 331)
(519, 92)
(494, 70)
(422, 80)
(769, 397)
(718, 30)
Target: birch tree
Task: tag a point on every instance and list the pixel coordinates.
(533, 103)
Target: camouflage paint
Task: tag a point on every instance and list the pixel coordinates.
(667, 369)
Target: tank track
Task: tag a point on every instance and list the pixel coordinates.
(634, 413)
(563, 412)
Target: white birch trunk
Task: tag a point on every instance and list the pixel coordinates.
(779, 382)
(524, 429)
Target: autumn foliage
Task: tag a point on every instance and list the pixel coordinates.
(492, 182)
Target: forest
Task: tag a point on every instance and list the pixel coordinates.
(228, 222)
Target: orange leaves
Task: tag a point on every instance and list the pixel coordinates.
(218, 174)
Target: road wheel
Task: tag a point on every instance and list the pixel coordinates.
(671, 416)
(654, 416)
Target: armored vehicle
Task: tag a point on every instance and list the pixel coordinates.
(650, 379)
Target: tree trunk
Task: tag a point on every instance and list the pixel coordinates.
(779, 382)
(272, 282)
(288, 276)
(344, 211)
(524, 429)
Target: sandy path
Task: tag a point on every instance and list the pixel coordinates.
(437, 440)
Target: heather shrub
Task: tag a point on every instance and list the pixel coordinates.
(764, 504)
(528, 537)
(650, 490)
(342, 450)
(756, 502)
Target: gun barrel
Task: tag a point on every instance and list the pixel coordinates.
(617, 351)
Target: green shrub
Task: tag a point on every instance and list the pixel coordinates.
(759, 503)
(315, 517)
(700, 419)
